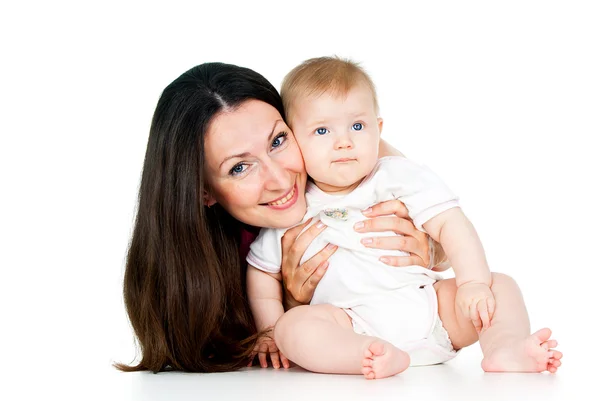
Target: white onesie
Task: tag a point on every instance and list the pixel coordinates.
(396, 304)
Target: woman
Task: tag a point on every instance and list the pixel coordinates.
(200, 202)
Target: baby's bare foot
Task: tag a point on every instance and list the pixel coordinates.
(532, 354)
(383, 360)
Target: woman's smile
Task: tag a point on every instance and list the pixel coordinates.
(286, 201)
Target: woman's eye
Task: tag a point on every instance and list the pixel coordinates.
(321, 131)
(238, 169)
(279, 140)
(357, 126)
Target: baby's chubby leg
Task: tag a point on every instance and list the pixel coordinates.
(507, 345)
(320, 338)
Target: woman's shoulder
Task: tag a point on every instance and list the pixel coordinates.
(248, 235)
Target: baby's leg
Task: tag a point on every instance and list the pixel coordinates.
(320, 338)
(507, 345)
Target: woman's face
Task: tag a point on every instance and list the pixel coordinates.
(254, 167)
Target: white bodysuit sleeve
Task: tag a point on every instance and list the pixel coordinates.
(420, 189)
(265, 251)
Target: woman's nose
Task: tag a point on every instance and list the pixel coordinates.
(276, 176)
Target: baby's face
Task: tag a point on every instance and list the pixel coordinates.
(338, 137)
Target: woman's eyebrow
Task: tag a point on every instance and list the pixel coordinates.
(239, 155)
(246, 154)
(273, 129)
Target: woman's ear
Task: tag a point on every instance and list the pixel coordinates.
(209, 200)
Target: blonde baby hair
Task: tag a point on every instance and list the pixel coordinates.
(320, 75)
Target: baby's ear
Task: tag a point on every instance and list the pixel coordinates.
(380, 124)
(209, 200)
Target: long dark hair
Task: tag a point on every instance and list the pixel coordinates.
(184, 283)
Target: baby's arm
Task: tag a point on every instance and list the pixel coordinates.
(264, 296)
(466, 255)
(461, 243)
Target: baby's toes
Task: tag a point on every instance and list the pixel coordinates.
(556, 354)
(368, 373)
(555, 362)
(549, 344)
(540, 355)
(367, 362)
(376, 348)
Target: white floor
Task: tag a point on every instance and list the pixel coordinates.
(460, 379)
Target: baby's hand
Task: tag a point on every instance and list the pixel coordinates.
(476, 302)
(266, 345)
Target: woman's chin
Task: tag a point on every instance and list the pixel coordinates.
(285, 218)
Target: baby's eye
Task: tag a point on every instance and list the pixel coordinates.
(321, 131)
(357, 126)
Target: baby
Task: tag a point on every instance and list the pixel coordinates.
(365, 316)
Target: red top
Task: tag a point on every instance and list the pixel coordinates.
(249, 234)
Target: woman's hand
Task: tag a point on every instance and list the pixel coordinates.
(393, 216)
(265, 347)
(300, 281)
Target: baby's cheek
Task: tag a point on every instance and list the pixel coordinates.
(315, 170)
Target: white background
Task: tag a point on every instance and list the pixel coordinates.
(502, 99)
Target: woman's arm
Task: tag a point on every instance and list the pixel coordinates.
(437, 257)
(264, 296)
(385, 149)
(300, 281)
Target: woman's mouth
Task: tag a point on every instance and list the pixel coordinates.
(285, 201)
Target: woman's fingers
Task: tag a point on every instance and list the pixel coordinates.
(317, 260)
(298, 243)
(393, 206)
(308, 275)
(290, 235)
(403, 243)
(284, 361)
(402, 261)
(291, 259)
(262, 355)
(393, 216)
(275, 359)
(293, 245)
(274, 353)
(268, 349)
(397, 242)
(389, 223)
(308, 289)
